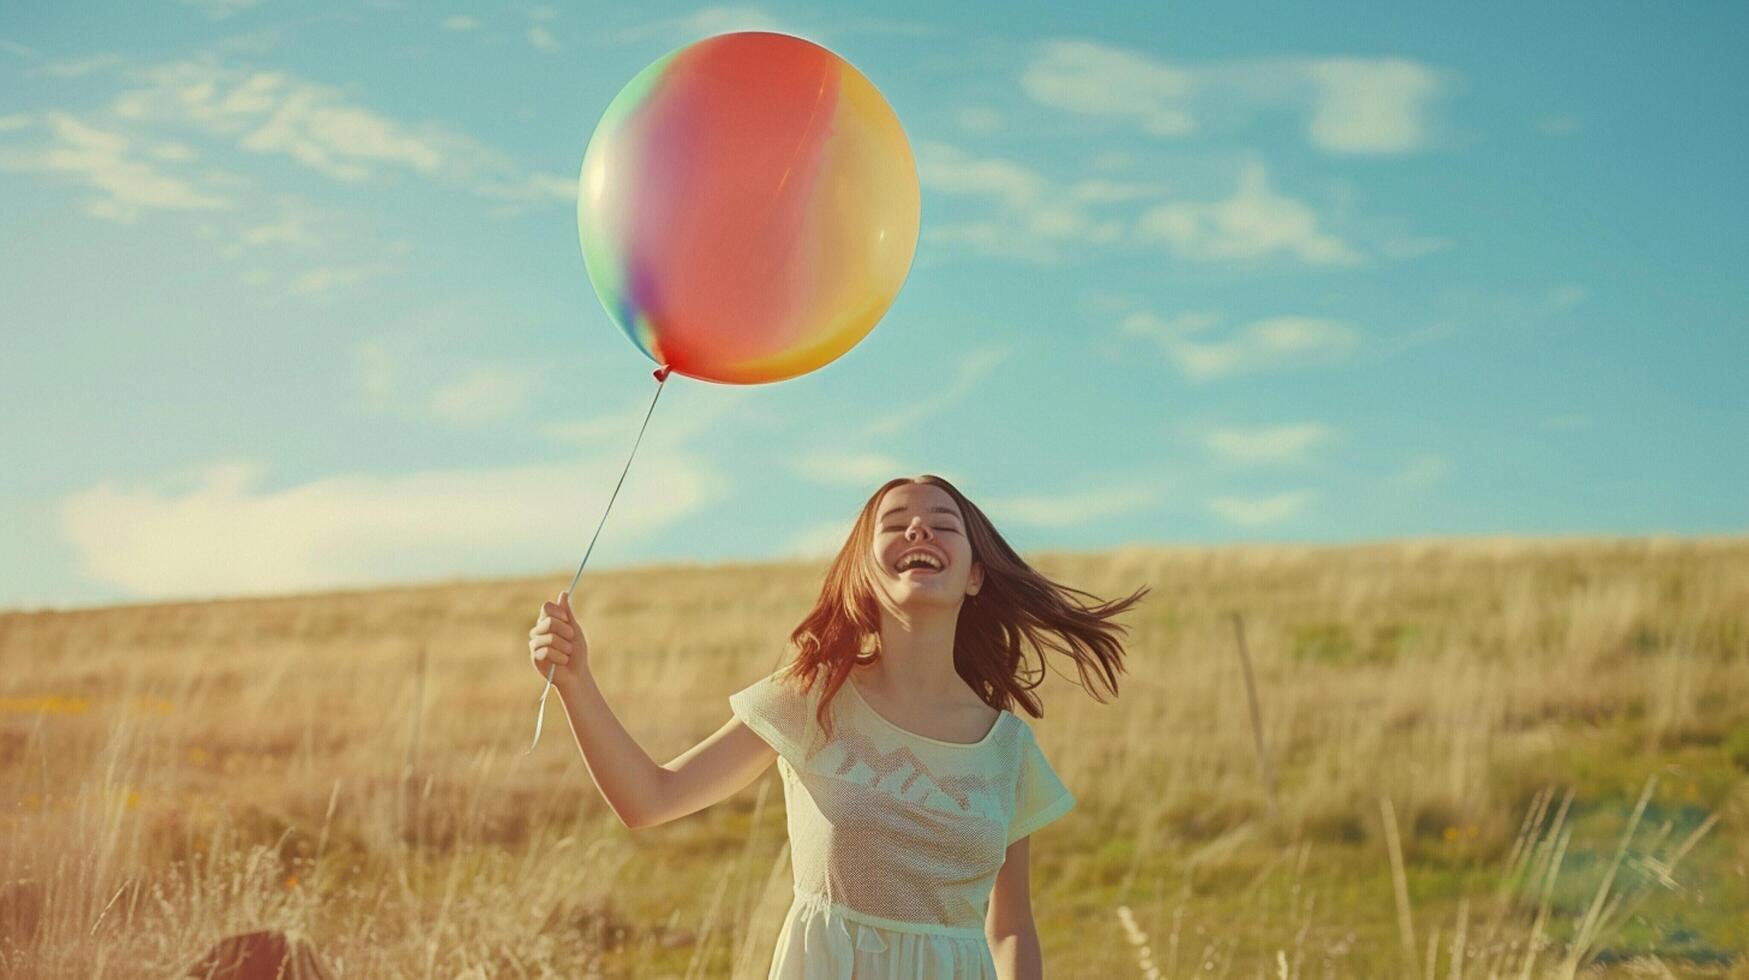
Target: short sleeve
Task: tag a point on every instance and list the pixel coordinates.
(1040, 797)
(778, 712)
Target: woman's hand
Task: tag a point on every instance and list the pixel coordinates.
(558, 641)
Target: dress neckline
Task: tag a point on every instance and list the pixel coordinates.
(1000, 713)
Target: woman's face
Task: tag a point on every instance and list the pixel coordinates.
(921, 551)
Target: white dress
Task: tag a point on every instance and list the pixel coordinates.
(895, 837)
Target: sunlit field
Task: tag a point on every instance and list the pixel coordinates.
(1488, 758)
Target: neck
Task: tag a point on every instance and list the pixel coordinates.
(916, 660)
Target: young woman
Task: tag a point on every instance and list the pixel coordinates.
(912, 789)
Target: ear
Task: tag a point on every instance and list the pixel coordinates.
(975, 579)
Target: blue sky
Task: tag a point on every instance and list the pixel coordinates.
(294, 299)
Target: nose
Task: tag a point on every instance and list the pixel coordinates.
(917, 530)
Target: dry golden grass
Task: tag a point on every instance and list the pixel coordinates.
(1549, 725)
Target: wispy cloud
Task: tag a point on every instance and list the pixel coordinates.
(687, 413)
(1349, 105)
(1189, 342)
(1030, 216)
(1269, 444)
(702, 23)
(1253, 223)
(541, 38)
(1258, 511)
(314, 124)
(409, 376)
(326, 279)
(973, 368)
(1099, 80)
(17, 50)
(126, 174)
(835, 466)
(77, 67)
(227, 535)
(1075, 508)
(460, 22)
(817, 541)
(491, 394)
(531, 192)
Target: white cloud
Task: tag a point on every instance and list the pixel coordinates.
(1253, 223)
(1074, 509)
(20, 50)
(287, 228)
(314, 124)
(1269, 444)
(708, 21)
(1266, 344)
(1095, 79)
(1031, 217)
(110, 163)
(328, 278)
(172, 151)
(973, 368)
(228, 536)
(77, 67)
(610, 426)
(818, 541)
(339, 140)
(460, 22)
(948, 169)
(1351, 105)
(534, 190)
(542, 39)
(484, 395)
(1257, 511)
(850, 468)
(1370, 105)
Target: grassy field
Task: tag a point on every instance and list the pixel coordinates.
(1491, 758)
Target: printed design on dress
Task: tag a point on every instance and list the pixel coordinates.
(854, 757)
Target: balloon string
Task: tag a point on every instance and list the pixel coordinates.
(661, 376)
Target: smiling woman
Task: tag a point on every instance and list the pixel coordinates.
(911, 799)
(910, 821)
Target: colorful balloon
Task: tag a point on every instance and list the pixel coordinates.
(748, 208)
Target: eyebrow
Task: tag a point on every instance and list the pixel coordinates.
(949, 511)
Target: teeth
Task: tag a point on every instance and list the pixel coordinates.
(919, 558)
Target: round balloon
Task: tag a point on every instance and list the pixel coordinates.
(748, 208)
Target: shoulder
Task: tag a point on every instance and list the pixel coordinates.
(777, 683)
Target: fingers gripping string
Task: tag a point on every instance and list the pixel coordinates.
(661, 376)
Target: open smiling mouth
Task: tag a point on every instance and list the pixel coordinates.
(918, 564)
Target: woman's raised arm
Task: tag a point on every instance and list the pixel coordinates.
(640, 793)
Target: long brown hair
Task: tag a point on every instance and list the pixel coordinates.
(1015, 603)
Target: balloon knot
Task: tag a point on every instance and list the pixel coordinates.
(661, 373)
